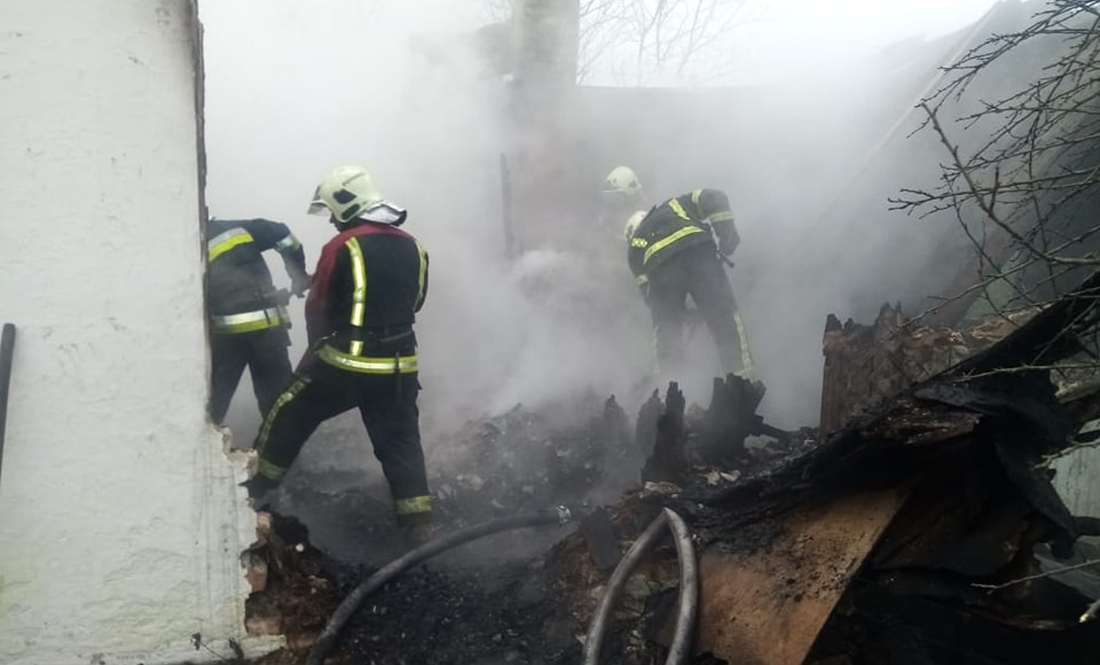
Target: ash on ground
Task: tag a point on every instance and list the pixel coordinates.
(495, 600)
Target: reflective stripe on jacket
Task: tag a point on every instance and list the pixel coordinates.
(367, 364)
(241, 296)
(677, 224)
(249, 321)
(369, 283)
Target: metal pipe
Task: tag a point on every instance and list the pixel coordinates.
(7, 354)
(327, 639)
(680, 649)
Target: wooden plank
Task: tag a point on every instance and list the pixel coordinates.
(765, 604)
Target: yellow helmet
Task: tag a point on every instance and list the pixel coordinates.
(622, 180)
(348, 193)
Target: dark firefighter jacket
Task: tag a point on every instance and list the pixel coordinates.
(677, 224)
(369, 283)
(241, 295)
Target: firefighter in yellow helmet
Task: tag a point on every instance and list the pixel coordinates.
(370, 282)
(672, 252)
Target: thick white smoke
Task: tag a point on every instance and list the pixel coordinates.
(293, 89)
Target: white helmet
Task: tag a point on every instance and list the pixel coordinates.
(633, 223)
(349, 193)
(622, 180)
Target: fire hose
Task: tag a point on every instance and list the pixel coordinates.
(680, 649)
(327, 639)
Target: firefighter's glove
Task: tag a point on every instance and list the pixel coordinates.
(727, 244)
(300, 285)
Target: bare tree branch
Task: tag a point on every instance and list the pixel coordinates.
(1039, 576)
(1021, 175)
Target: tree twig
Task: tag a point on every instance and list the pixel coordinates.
(1038, 576)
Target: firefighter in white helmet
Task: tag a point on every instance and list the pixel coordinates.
(673, 254)
(370, 282)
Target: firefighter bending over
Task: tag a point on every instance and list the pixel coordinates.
(248, 318)
(370, 281)
(672, 253)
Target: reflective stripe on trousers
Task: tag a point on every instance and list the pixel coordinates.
(414, 505)
(746, 354)
(249, 321)
(266, 468)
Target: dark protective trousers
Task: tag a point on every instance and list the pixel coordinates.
(697, 272)
(387, 404)
(264, 352)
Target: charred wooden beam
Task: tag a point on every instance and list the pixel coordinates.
(669, 461)
(730, 419)
(963, 444)
(865, 365)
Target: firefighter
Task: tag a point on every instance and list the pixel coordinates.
(248, 318)
(673, 254)
(370, 281)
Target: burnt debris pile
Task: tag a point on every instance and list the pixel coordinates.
(923, 529)
(573, 453)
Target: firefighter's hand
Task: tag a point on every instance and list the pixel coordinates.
(300, 285)
(727, 244)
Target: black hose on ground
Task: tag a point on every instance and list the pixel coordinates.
(680, 649)
(688, 606)
(327, 639)
(600, 617)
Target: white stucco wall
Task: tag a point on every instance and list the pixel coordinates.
(120, 522)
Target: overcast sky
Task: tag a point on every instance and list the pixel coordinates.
(840, 26)
(870, 21)
(780, 37)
